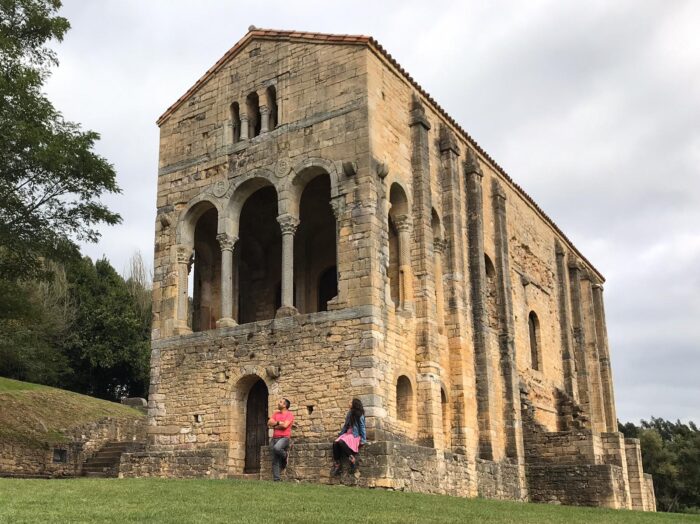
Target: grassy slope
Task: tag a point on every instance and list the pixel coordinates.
(211, 501)
(38, 415)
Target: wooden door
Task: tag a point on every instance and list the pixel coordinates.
(255, 426)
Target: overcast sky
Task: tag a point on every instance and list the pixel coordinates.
(592, 107)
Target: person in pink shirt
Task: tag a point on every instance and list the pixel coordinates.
(281, 423)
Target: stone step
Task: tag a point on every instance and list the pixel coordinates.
(245, 476)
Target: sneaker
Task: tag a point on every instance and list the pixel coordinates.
(336, 470)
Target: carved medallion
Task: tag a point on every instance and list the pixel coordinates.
(282, 168)
(220, 188)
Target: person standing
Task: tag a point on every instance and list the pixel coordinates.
(352, 435)
(281, 423)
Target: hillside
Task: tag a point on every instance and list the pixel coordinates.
(37, 415)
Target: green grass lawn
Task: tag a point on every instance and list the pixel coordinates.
(212, 501)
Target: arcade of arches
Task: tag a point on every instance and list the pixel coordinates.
(247, 278)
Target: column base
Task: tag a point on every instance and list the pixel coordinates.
(226, 322)
(182, 330)
(286, 311)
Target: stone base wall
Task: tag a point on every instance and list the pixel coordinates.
(650, 494)
(206, 463)
(404, 467)
(578, 485)
(18, 459)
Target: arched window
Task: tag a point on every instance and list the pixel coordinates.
(236, 122)
(399, 263)
(491, 294)
(271, 93)
(315, 275)
(404, 399)
(253, 111)
(534, 325)
(259, 262)
(204, 281)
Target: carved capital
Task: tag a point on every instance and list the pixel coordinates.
(288, 224)
(574, 264)
(264, 109)
(439, 245)
(402, 223)
(226, 241)
(559, 249)
(498, 192)
(244, 117)
(183, 254)
(471, 165)
(417, 116)
(448, 142)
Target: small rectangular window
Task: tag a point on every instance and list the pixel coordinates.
(60, 455)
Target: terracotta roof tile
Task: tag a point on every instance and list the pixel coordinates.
(379, 49)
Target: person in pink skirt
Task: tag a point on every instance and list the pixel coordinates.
(351, 437)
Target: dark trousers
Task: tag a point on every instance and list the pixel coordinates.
(278, 449)
(340, 450)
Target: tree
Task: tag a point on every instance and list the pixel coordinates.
(671, 453)
(108, 344)
(50, 178)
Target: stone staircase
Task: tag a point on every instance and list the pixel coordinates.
(105, 463)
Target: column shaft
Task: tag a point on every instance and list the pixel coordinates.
(226, 242)
(288, 225)
(477, 278)
(604, 353)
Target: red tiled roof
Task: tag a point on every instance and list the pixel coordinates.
(321, 38)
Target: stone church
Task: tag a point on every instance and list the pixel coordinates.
(324, 231)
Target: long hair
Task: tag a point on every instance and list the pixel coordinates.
(356, 411)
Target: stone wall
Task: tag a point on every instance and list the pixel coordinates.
(66, 458)
(577, 485)
(205, 463)
(403, 467)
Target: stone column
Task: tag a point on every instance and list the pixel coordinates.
(579, 338)
(403, 226)
(569, 365)
(604, 354)
(288, 226)
(183, 259)
(427, 342)
(454, 259)
(477, 278)
(506, 337)
(244, 126)
(226, 242)
(595, 382)
(264, 119)
(439, 248)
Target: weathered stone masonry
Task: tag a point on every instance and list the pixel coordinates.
(326, 231)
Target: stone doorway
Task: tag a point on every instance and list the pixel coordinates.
(255, 426)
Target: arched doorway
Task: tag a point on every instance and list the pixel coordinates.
(255, 426)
